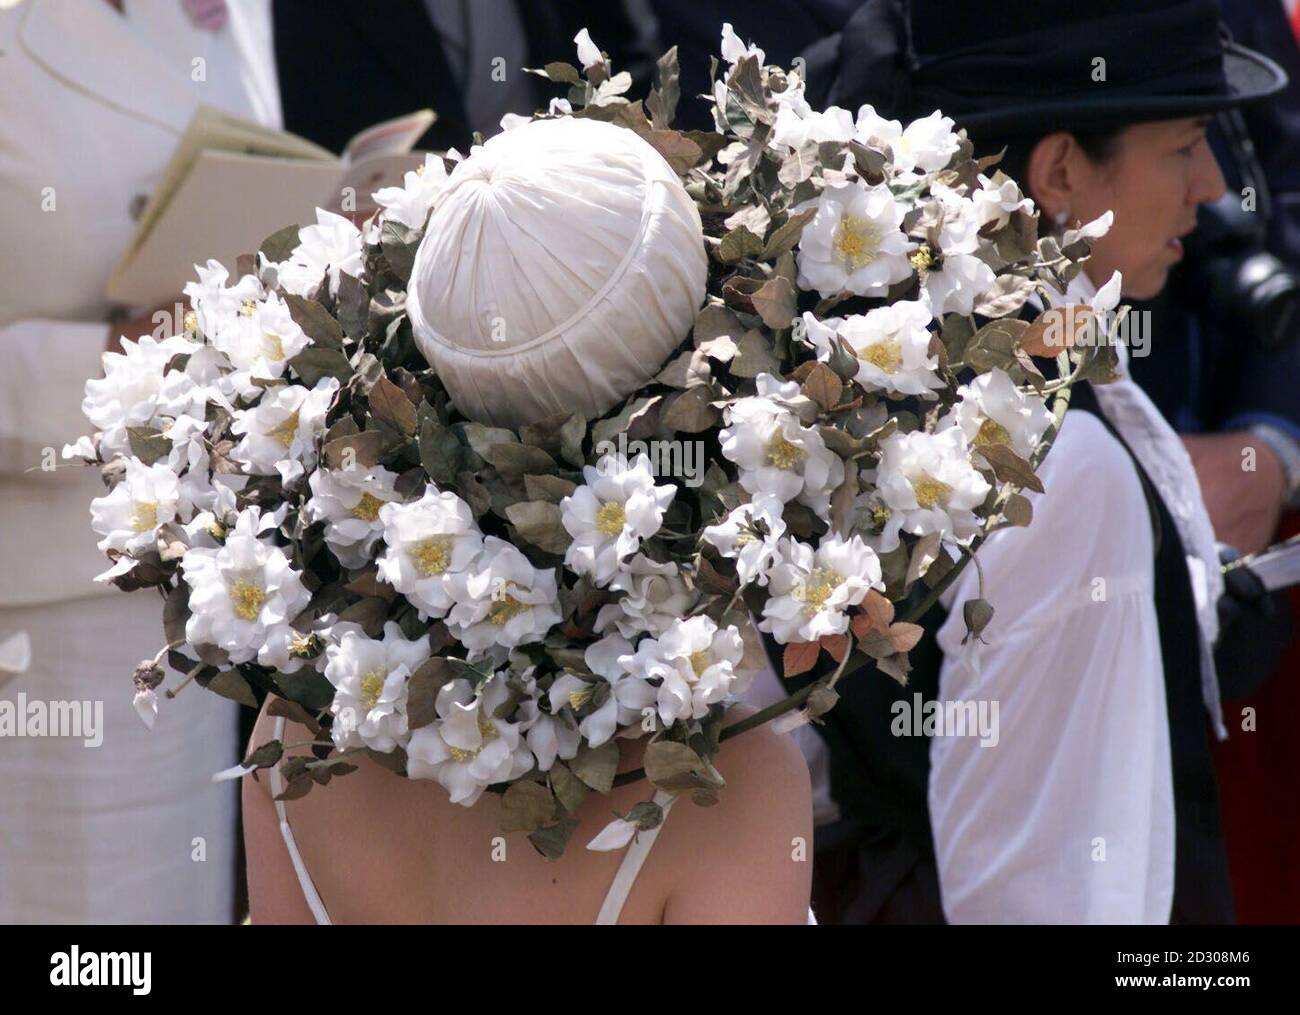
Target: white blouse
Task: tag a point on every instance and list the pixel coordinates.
(1070, 818)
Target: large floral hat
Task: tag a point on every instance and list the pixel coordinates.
(778, 376)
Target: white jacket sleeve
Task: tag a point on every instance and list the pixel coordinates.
(1065, 815)
(44, 366)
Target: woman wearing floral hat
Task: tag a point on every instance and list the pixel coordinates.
(1097, 801)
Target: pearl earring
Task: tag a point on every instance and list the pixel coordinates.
(1062, 217)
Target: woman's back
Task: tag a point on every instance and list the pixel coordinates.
(382, 849)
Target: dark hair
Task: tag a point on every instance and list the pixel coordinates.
(1099, 145)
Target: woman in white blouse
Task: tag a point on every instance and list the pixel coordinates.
(1094, 802)
(93, 98)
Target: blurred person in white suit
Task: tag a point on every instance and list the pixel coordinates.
(94, 95)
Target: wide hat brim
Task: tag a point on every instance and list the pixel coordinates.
(1249, 76)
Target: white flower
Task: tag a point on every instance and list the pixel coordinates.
(428, 542)
(348, 501)
(810, 590)
(258, 340)
(129, 515)
(750, 535)
(332, 246)
(631, 694)
(615, 835)
(145, 704)
(409, 204)
(927, 144)
(588, 52)
(609, 517)
(137, 390)
(992, 410)
(1093, 230)
(216, 304)
(370, 684)
(242, 591)
(797, 123)
(854, 242)
(734, 50)
(694, 663)
(928, 484)
(779, 455)
(1107, 298)
(997, 203)
(502, 599)
(958, 277)
(467, 749)
(953, 285)
(279, 433)
(654, 596)
(892, 344)
(289, 650)
(553, 734)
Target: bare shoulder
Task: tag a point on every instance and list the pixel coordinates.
(747, 858)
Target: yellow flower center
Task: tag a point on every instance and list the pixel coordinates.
(367, 508)
(248, 308)
(246, 598)
(191, 323)
(302, 644)
(929, 491)
(144, 516)
(611, 518)
(505, 607)
(432, 555)
(991, 432)
(216, 530)
(700, 662)
(782, 454)
(579, 698)
(372, 686)
(487, 730)
(886, 355)
(857, 241)
(285, 432)
(922, 260)
(272, 347)
(818, 589)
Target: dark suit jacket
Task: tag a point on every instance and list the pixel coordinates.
(345, 65)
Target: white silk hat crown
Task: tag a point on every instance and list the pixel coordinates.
(560, 268)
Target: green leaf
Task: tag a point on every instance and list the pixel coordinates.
(280, 244)
(316, 362)
(739, 244)
(148, 443)
(596, 766)
(1009, 467)
(390, 406)
(551, 840)
(317, 323)
(357, 450)
(774, 302)
(539, 522)
(787, 235)
(548, 488)
(265, 756)
(422, 689)
(308, 687)
(441, 453)
(526, 806)
(567, 787)
(231, 684)
(663, 100)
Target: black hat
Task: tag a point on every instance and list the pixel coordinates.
(1019, 67)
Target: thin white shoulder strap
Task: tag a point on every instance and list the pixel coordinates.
(635, 856)
(304, 879)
